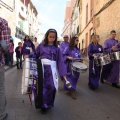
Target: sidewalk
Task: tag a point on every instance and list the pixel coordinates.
(8, 67)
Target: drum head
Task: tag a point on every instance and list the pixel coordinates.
(78, 66)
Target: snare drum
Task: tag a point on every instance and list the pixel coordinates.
(116, 55)
(104, 60)
(79, 67)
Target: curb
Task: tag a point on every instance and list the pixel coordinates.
(8, 68)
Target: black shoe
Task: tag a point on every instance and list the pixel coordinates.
(18, 68)
(43, 110)
(5, 118)
(102, 81)
(115, 85)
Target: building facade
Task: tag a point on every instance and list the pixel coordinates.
(107, 15)
(27, 20)
(97, 17)
(86, 27)
(22, 18)
(7, 11)
(67, 29)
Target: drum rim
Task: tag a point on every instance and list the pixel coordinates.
(80, 63)
(78, 69)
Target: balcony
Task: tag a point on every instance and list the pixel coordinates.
(19, 33)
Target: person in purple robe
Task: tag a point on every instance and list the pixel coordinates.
(28, 46)
(51, 59)
(64, 44)
(62, 47)
(94, 50)
(70, 53)
(110, 72)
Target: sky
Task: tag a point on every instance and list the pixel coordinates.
(51, 14)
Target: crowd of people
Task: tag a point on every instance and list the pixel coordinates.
(19, 51)
(56, 60)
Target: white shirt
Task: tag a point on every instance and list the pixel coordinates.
(36, 44)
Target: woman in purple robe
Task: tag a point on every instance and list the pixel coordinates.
(28, 46)
(70, 53)
(94, 50)
(51, 58)
(64, 44)
(112, 75)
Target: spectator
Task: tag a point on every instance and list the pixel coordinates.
(4, 35)
(35, 42)
(58, 43)
(11, 39)
(18, 51)
(11, 51)
(28, 46)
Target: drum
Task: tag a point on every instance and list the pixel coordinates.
(104, 60)
(79, 67)
(28, 75)
(116, 55)
(97, 61)
(112, 57)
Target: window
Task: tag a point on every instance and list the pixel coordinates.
(22, 8)
(91, 8)
(86, 38)
(91, 33)
(87, 14)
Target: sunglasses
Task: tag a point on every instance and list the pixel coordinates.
(77, 40)
(65, 37)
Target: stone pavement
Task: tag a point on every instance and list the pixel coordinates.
(102, 104)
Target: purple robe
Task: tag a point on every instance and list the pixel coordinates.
(27, 44)
(63, 45)
(111, 75)
(52, 53)
(72, 78)
(94, 75)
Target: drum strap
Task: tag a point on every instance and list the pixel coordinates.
(39, 96)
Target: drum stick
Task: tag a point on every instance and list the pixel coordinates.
(78, 59)
(117, 44)
(67, 82)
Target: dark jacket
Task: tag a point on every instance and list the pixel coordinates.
(18, 54)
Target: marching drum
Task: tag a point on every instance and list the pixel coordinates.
(116, 55)
(28, 75)
(25, 76)
(104, 60)
(112, 57)
(79, 67)
(97, 61)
